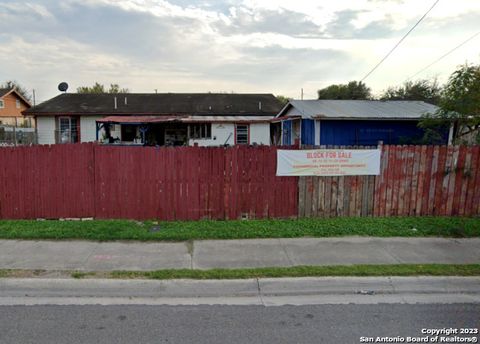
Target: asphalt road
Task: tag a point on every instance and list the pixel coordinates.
(227, 324)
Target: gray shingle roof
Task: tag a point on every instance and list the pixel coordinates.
(4, 91)
(360, 109)
(159, 104)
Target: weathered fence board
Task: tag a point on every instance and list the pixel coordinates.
(413, 181)
(191, 183)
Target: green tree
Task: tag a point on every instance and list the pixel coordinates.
(459, 105)
(20, 89)
(99, 88)
(282, 99)
(352, 90)
(425, 90)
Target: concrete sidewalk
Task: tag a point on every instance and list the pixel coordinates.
(207, 254)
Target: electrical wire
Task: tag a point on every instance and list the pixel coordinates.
(443, 56)
(400, 41)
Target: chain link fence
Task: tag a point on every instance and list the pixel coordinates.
(11, 136)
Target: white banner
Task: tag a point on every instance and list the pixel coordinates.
(328, 162)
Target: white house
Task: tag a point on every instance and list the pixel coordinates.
(171, 119)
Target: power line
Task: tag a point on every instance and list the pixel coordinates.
(443, 56)
(400, 41)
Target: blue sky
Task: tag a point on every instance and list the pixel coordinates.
(224, 46)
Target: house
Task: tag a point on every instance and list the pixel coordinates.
(12, 103)
(350, 122)
(172, 119)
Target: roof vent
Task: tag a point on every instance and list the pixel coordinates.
(260, 106)
(115, 103)
(126, 101)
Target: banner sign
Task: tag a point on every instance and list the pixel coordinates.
(328, 162)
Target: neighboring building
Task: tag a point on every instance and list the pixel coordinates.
(350, 122)
(174, 119)
(12, 104)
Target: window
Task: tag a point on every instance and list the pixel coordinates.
(17, 103)
(242, 134)
(201, 131)
(2, 104)
(67, 131)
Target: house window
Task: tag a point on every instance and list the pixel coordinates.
(2, 104)
(67, 130)
(242, 134)
(201, 131)
(17, 103)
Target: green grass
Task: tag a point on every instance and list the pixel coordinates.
(104, 230)
(81, 274)
(308, 271)
(275, 272)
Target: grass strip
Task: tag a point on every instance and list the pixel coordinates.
(272, 272)
(106, 230)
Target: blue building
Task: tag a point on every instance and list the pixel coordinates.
(351, 122)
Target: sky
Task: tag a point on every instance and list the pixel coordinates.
(241, 46)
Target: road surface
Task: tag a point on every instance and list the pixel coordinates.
(336, 324)
(284, 310)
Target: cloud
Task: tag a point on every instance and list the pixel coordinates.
(244, 20)
(9, 10)
(240, 45)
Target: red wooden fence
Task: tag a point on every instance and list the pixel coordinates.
(428, 180)
(414, 181)
(187, 183)
(190, 183)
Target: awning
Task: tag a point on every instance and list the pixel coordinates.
(184, 119)
(139, 119)
(285, 118)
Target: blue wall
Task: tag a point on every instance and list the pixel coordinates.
(349, 133)
(308, 132)
(287, 132)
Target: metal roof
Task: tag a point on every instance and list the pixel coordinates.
(185, 119)
(138, 119)
(229, 119)
(358, 109)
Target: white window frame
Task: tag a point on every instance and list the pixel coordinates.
(201, 131)
(67, 134)
(2, 104)
(236, 133)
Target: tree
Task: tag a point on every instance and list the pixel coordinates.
(19, 88)
(282, 99)
(352, 90)
(460, 105)
(99, 88)
(425, 90)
